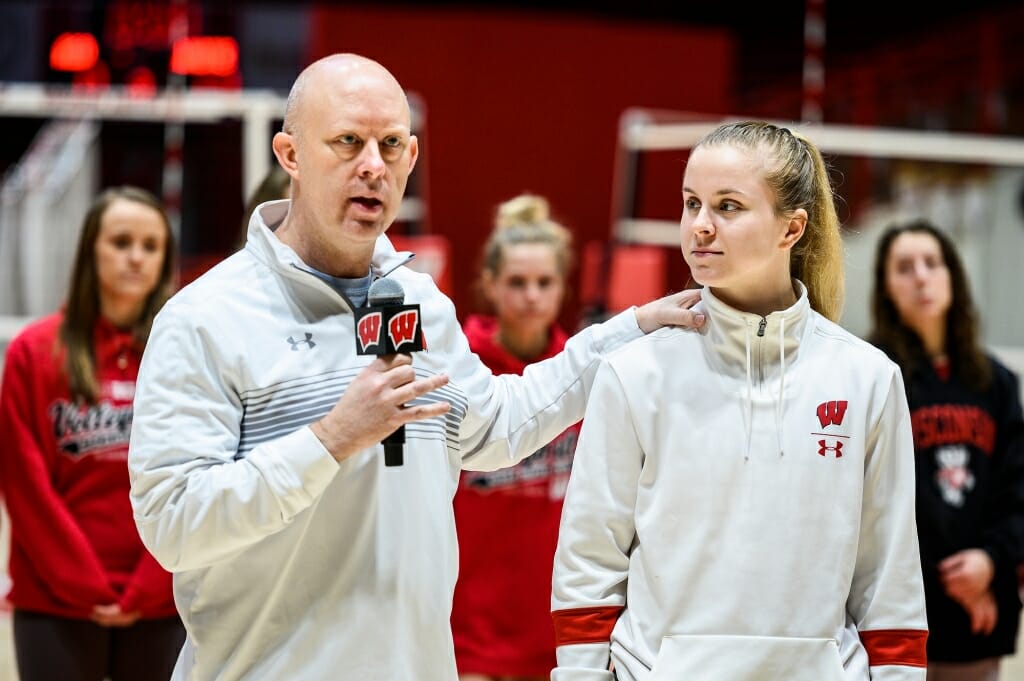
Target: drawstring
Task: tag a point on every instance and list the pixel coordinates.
(750, 399)
(782, 382)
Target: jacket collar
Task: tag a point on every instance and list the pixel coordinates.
(730, 330)
(758, 349)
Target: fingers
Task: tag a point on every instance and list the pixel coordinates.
(984, 614)
(976, 623)
(686, 318)
(990, 623)
(411, 390)
(688, 298)
(951, 563)
(959, 588)
(374, 405)
(110, 615)
(419, 412)
(966, 575)
(386, 362)
(986, 624)
(672, 310)
(424, 411)
(678, 312)
(398, 374)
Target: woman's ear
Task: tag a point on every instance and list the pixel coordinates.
(795, 226)
(487, 286)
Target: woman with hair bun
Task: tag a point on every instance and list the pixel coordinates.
(507, 520)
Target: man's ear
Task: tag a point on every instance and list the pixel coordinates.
(284, 150)
(795, 227)
(414, 151)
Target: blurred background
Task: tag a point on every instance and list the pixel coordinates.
(580, 102)
(918, 106)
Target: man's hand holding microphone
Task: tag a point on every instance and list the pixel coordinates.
(372, 409)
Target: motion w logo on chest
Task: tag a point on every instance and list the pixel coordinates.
(831, 413)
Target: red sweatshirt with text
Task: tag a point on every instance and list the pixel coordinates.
(64, 476)
(507, 523)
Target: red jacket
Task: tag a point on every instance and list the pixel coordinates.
(64, 475)
(507, 522)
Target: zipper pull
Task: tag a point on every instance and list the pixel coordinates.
(760, 326)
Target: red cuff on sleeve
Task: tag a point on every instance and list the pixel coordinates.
(904, 647)
(585, 625)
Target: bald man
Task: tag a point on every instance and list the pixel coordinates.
(257, 475)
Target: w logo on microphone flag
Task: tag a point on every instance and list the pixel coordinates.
(368, 332)
(388, 330)
(403, 328)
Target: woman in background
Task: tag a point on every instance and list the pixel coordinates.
(507, 520)
(89, 601)
(275, 185)
(969, 451)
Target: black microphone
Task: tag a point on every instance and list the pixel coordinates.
(389, 293)
(387, 327)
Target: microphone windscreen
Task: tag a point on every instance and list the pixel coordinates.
(385, 291)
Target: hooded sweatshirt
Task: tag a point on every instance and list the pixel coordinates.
(74, 544)
(287, 563)
(970, 494)
(507, 522)
(741, 508)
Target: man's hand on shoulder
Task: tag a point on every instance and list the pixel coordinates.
(672, 310)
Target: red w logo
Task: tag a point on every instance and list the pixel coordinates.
(369, 330)
(402, 327)
(831, 413)
(837, 448)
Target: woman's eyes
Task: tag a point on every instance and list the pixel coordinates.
(724, 206)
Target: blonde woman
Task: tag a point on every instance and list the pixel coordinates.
(741, 506)
(507, 520)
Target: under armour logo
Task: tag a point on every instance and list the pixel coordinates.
(831, 413)
(308, 340)
(836, 448)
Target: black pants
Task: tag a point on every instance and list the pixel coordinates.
(49, 647)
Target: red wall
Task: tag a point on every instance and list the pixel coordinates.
(520, 101)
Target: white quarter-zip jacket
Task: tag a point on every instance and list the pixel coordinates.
(289, 565)
(741, 508)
